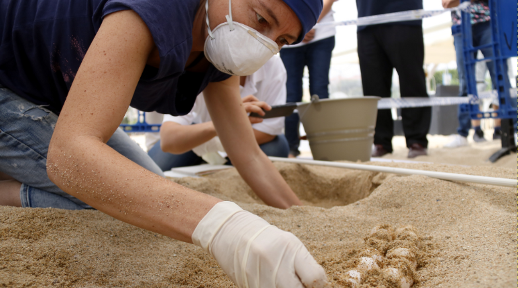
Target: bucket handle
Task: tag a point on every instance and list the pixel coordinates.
(314, 99)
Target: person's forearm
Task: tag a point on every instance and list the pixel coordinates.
(262, 176)
(88, 169)
(178, 139)
(237, 136)
(326, 8)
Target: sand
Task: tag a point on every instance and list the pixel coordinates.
(464, 233)
(475, 154)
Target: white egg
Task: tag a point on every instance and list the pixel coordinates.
(353, 277)
(378, 258)
(404, 282)
(367, 263)
(403, 253)
(406, 232)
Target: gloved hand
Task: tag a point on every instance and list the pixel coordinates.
(255, 254)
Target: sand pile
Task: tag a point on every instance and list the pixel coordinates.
(455, 234)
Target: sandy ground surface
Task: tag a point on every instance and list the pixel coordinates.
(475, 154)
(460, 235)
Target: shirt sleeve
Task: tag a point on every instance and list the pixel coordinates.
(272, 90)
(170, 24)
(219, 76)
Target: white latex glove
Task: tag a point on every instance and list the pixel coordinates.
(255, 254)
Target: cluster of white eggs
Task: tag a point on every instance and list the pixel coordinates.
(373, 259)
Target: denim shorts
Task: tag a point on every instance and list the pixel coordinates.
(25, 133)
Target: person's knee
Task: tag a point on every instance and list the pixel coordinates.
(278, 147)
(4, 176)
(123, 144)
(10, 193)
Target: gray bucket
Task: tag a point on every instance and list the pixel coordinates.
(340, 129)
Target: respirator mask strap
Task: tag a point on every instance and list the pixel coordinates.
(228, 17)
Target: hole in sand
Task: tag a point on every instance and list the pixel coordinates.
(314, 185)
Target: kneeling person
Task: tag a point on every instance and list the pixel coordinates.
(190, 139)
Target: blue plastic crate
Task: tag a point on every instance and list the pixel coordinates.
(503, 29)
(506, 13)
(141, 125)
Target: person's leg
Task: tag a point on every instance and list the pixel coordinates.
(464, 118)
(376, 71)
(122, 143)
(294, 61)
(167, 161)
(319, 61)
(25, 133)
(482, 36)
(405, 48)
(278, 147)
(10, 193)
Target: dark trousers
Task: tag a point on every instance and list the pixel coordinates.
(317, 56)
(380, 49)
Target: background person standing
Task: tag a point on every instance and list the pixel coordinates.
(383, 47)
(315, 53)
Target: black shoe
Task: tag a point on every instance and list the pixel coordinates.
(294, 153)
(479, 136)
(379, 151)
(417, 150)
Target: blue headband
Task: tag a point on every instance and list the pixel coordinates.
(308, 12)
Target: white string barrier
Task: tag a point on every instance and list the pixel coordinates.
(403, 171)
(413, 102)
(395, 17)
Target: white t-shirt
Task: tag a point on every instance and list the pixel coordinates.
(321, 32)
(268, 84)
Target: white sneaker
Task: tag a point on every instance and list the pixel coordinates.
(456, 141)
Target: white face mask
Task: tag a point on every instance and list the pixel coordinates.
(235, 48)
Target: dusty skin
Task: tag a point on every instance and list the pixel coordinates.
(455, 234)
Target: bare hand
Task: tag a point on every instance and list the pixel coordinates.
(310, 35)
(252, 104)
